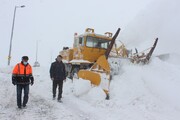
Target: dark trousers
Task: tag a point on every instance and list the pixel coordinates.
(19, 94)
(58, 84)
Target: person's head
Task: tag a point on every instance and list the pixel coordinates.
(25, 60)
(59, 58)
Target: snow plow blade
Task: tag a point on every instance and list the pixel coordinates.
(144, 57)
(94, 73)
(103, 63)
(91, 76)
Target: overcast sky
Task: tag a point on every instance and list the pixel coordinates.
(158, 19)
(53, 22)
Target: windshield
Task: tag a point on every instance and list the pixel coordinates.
(97, 42)
(78, 41)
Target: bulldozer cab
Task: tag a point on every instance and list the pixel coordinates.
(90, 46)
(86, 50)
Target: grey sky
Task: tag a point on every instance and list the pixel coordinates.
(158, 19)
(53, 23)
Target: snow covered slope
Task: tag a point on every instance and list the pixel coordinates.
(159, 19)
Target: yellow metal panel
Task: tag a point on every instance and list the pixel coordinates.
(67, 54)
(92, 54)
(102, 61)
(91, 76)
(70, 54)
(100, 36)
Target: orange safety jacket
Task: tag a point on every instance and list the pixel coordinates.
(22, 74)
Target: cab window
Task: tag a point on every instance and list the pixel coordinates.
(81, 41)
(78, 41)
(97, 42)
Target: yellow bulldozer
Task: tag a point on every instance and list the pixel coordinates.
(88, 58)
(86, 51)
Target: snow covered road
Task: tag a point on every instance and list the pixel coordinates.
(40, 105)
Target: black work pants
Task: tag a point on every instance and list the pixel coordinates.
(59, 84)
(20, 87)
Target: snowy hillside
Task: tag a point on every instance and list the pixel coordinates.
(159, 19)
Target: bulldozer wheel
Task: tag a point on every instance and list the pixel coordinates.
(75, 70)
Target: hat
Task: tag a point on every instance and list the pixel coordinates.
(60, 56)
(25, 58)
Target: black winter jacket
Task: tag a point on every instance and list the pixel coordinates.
(57, 71)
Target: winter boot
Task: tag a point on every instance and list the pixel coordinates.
(19, 107)
(54, 97)
(59, 100)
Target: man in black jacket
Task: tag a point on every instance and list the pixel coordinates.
(58, 75)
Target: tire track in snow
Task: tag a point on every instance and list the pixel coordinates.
(42, 108)
(37, 109)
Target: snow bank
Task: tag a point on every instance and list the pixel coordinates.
(81, 86)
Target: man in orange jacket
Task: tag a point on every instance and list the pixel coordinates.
(22, 77)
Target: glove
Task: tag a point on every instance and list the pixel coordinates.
(32, 82)
(13, 82)
(64, 79)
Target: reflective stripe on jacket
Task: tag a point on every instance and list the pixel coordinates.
(22, 73)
